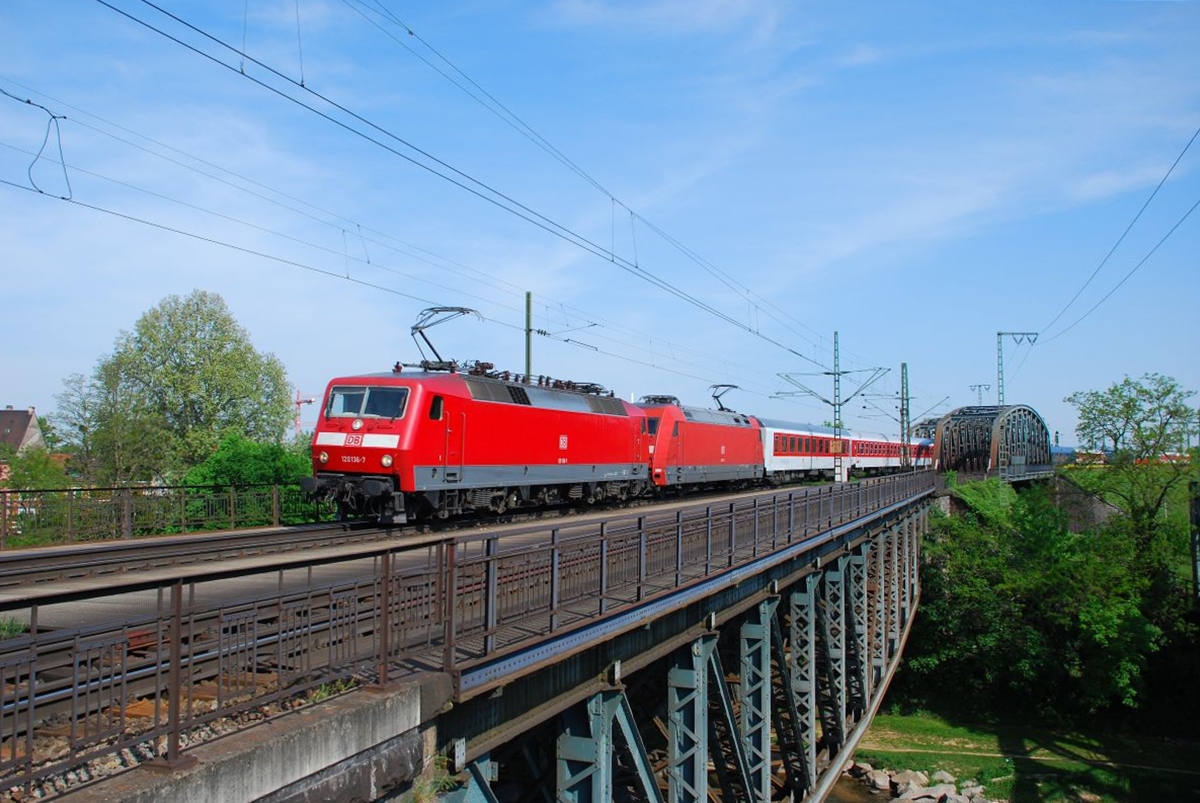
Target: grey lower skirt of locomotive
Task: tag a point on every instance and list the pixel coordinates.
(375, 497)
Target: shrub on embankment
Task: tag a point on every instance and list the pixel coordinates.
(1022, 619)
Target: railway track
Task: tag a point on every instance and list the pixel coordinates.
(58, 563)
(24, 567)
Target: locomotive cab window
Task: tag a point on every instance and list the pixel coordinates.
(366, 402)
(435, 408)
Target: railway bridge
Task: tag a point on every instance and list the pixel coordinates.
(608, 656)
(1009, 442)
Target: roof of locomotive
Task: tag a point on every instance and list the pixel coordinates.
(542, 392)
(700, 415)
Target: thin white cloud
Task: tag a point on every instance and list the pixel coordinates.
(861, 55)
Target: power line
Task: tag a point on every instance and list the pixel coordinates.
(214, 241)
(1120, 239)
(1128, 275)
(623, 356)
(515, 121)
(641, 345)
(458, 178)
(502, 112)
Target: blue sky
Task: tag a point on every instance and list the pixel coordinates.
(915, 176)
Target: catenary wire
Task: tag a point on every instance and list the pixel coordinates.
(529, 132)
(514, 289)
(1127, 276)
(624, 356)
(1121, 239)
(459, 178)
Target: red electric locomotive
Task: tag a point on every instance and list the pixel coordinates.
(439, 443)
(696, 446)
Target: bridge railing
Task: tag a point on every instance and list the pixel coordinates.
(585, 571)
(74, 515)
(182, 656)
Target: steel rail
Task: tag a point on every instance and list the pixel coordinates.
(58, 563)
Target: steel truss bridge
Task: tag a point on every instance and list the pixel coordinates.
(590, 658)
(1010, 442)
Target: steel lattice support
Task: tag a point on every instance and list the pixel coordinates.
(856, 642)
(892, 569)
(785, 715)
(831, 616)
(754, 714)
(477, 788)
(586, 750)
(687, 723)
(728, 757)
(878, 614)
(802, 670)
(905, 563)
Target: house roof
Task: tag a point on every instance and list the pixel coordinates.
(19, 429)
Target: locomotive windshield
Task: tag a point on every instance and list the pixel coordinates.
(359, 401)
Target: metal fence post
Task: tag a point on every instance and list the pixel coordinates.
(678, 547)
(385, 615)
(126, 513)
(71, 516)
(173, 760)
(491, 597)
(604, 561)
(554, 581)
(732, 535)
(641, 558)
(450, 603)
(275, 512)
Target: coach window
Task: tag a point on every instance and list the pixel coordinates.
(435, 408)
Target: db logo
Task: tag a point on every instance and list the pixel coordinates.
(354, 440)
(562, 441)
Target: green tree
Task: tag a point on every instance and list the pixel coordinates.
(186, 377)
(35, 469)
(1142, 423)
(50, 435)
(240, 461)
(1019, 615)
(194, 367)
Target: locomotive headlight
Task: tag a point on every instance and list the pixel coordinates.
(356, 424)
(323, 457)
(387, 461)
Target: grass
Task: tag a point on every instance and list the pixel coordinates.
(11, 628)
(1023, 765)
